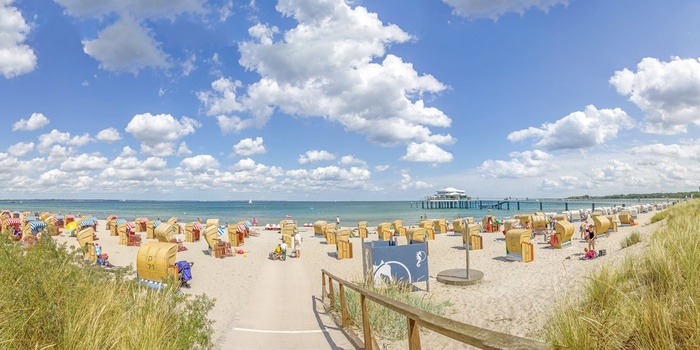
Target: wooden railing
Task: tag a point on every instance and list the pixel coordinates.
(416, 318)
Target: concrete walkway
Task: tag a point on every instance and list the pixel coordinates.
(283, 312)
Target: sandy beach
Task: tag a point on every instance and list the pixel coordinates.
(513, 297)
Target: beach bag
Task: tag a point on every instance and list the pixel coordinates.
(602, 252)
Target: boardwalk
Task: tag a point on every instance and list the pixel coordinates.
(283, 313)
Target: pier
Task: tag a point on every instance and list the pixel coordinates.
(529, 204)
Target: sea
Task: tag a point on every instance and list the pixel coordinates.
(272, 212)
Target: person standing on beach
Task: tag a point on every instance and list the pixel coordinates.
(590, 237)
(337, 221)
(297, 243)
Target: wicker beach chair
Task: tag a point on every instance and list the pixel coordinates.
(193, 231)
(329, 234)
(384, 231)
(398, 227)
(564, 230)
(428, 225)
(440, 225)
(155, 264)
(85, 241)
(362, 229)
(602, 224)
(343, 246)
(417, 235)
(320, 227)
(518, 246)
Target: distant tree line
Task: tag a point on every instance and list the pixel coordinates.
(694, 194)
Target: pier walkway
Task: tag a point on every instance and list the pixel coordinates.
(530, 204)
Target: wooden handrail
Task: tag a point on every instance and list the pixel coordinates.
(416, 318)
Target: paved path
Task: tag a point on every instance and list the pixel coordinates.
(283, 312)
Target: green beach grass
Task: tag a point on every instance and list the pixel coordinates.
(632, 239)
(651, 301)
(386, 323)
(51, 300)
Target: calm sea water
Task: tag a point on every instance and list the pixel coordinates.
(273, 211)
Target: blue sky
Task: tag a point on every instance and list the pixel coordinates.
(347, 100)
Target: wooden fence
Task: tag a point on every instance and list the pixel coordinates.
(416, 318)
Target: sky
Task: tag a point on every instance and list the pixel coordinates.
(347, 100)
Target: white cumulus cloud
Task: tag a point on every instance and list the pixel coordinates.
(380, 168)
(426, 153)
(158, 133)
(565, 183)
(140, 8)
(249, 147)
(20, 149)
(108, 135)
(16, 57)
(314, 156)
(126, 46)
(407, 182)
(36, 121)
(222, 97)
(681, 151)
(591, 127)
(521, 164)
(324, 178)
(496, 8)
(350, 160)
(183, 150)
(84, 162)
(667, 92)
(334, 65)
(200, 164)
(46, 141)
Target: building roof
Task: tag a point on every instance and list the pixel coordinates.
(451, 190)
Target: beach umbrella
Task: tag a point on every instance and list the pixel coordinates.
(71, 226)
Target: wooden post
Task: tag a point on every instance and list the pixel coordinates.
(366, 329)
(331, 295)
(323, 287)
(413, 335)
(346, 320)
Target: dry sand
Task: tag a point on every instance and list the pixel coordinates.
(513, 297)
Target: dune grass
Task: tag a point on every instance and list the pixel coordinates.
(387, 324)
(651, 301)
(632, 239)
(660, 216)
(50, 300)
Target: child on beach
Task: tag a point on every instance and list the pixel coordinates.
(590, 254)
